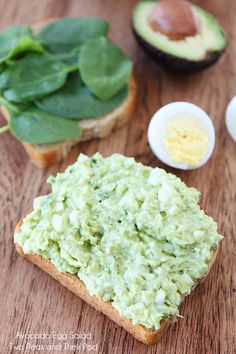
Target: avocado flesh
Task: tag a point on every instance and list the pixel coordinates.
(203, 49)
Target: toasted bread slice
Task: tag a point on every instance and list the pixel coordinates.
(74, 284)
(44, 155)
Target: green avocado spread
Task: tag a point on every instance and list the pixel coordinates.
(134, 235)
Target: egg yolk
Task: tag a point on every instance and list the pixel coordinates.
(186, 139)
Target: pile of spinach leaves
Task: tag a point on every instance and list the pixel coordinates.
(70, 71)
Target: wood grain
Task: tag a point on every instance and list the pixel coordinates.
(32, 302)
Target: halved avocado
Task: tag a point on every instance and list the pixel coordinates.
(191, 53)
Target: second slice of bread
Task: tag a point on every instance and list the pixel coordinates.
(44, 155)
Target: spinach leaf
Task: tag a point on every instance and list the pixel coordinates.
(32, 77)
(34, 126)
(26, 44)
(103, 67)
(4, 128)
(69, 57)
(2, 67)
(13, 108)
(64, 35)
(15, 40)
(74, 100)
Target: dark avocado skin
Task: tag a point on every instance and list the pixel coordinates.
(173, 62)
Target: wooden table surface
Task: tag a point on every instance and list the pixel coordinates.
(33, 303)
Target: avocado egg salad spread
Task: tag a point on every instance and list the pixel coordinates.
(134, 235)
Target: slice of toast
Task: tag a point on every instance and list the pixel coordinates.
(74, 284)
(44, 155)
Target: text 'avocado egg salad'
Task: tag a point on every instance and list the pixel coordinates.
(135, 235)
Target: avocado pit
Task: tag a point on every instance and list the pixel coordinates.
(173, 18)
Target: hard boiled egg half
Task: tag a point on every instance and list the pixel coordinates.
(231, 118)
(182, 135)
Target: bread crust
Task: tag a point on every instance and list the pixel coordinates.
(74, 284)
(44, 155)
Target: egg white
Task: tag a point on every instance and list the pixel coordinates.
(230, 118)
(158, 123)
